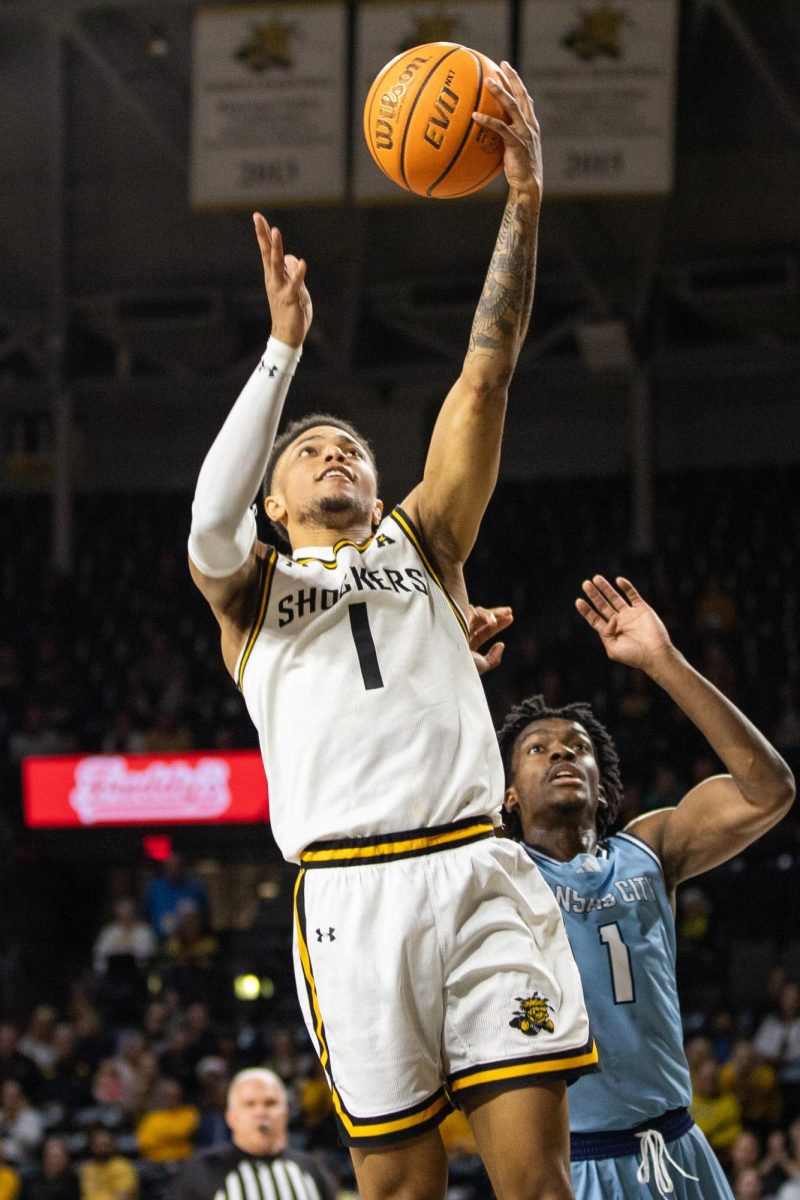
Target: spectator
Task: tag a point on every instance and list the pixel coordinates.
(212, 1078)
(9, 1180)
(202, 1041)
(777, 1164)
(109, 1084)
(316, 1107)
(747, 1185)
(177, 1061)
(190, 956)
(21, 1127)
(699, 1050)
(778, 1041)
(284, 1059)
(166, 1133)
(164, 894)
(14, 1064)
(37, 1044)
(56, 1180)
(127, 935)
(755, 1086)
(156, 1026)
(143, 1084)
(717, 1114)
(191, 944)
(67, 1080)
(745, 1152)
(106, 1175)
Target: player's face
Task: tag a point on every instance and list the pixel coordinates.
(325, 478)
(556, 777)
(257, 1116)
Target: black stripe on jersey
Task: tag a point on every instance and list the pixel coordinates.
(302, 1185)
(402, 835)
(266, 1182)
(251, 1184)
(417, 541)
(265, 584)
(521, 1071)
(365, 646)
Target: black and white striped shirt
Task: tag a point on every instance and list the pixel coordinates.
(228, 1173)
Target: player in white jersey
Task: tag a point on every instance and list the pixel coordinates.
(632, 1136)
(432, 963)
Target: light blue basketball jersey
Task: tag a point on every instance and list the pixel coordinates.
(621, 929)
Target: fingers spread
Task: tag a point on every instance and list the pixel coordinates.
(608, 592)
(590, 615)
(629, 590)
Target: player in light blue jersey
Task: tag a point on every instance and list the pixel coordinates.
(632, 1136)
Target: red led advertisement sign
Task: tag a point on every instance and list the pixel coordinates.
(82, 791)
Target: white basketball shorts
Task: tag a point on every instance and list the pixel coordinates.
(429, 964)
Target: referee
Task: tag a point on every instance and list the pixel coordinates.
(258, 1165)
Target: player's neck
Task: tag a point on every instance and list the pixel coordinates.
(308, 534)
(562, 842)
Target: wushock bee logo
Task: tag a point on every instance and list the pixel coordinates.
(533, 1015)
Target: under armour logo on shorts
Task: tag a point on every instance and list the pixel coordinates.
(329, 935)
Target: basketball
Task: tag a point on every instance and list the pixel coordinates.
(418, 121)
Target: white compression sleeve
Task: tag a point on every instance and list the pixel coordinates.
(223, 523)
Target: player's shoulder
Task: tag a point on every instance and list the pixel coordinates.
(630, 843)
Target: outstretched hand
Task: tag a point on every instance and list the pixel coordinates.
(630, 630)
(285, 279)
(485, 623)
(522, 157)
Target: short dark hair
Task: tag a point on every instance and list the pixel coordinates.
(535, 709)
(292, 432)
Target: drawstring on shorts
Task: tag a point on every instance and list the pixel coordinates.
(654, 1150)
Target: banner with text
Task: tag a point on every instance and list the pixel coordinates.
(602, 76)
(269, 104)
(144, 789)
(385, 30)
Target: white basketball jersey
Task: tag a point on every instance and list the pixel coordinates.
(358, 676)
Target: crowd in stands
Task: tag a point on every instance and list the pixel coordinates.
(105, 1092)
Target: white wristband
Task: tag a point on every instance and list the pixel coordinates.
(278, 354)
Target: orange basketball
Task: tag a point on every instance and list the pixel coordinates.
(418, 121)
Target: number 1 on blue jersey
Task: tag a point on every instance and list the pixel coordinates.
(619, 960)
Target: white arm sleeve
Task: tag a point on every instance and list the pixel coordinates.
(223, 524)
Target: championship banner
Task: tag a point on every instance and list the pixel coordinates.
(602, 76)
(385, 30)
(71, 792)
(269, 104)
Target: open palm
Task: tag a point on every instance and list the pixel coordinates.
(630, 630)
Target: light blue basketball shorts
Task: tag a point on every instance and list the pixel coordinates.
(661, 1168)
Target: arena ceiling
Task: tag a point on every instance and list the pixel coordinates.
(107, 275)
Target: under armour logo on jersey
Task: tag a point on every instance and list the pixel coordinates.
(329, 935)
(383, 539)
(262, 366)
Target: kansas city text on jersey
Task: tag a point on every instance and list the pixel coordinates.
(628, 891)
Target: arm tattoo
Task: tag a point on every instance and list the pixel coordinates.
(504, 309)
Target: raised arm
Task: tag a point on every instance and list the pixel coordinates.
(462, 462)
(223, 552)
(720, 816)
